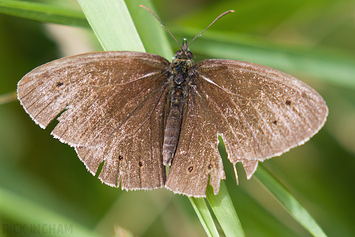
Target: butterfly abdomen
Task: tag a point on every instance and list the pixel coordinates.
(173, 125)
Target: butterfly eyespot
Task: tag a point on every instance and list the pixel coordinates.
(288, 102)
(59, 84)
(140, 163)
(209, 166)
(190, 168)
(120, 158)
(274, 122)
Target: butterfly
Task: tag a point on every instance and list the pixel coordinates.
(137, 113)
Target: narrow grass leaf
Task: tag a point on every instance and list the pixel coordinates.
(288, 201)
(153, 35)
(112, 24)
(8, 97)
(224, 211)
(20, 209)
(204, 215)
(43, 12)
(336, 68)
(100, 20)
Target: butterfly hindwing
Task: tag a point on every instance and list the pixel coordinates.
(132, 160)
(197, 161)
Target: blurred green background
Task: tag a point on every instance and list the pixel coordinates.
(313, 40)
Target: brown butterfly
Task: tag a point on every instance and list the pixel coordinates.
(137, 113)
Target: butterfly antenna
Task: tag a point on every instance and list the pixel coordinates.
(223, 14)
(161, 23)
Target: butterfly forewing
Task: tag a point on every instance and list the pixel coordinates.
(105, 87)
(261, 112)
(114, 110)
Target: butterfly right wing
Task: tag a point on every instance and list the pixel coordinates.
(112, 103)
(96, 91)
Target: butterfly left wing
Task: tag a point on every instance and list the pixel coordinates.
(261, 112)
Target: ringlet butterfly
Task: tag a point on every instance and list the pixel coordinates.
(137, 113)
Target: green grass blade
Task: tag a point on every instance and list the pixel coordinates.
(96, 12)
(8, 97)
(20, 209)
(99, 12)
(112, 24)
(43, 12)
(204, 215)
(153, 35)
(224, 211)
(288, 201)
(324, 64)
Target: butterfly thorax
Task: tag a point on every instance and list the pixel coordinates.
(181, 69)
(182, 65)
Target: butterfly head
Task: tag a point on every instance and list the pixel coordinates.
(184, 53)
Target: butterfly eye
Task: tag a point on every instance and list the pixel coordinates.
(177, 53)
(189, 54)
